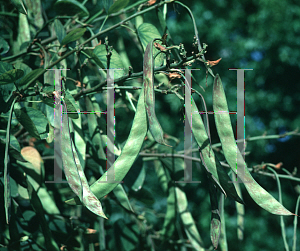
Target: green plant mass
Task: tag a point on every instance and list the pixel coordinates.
(149, 125)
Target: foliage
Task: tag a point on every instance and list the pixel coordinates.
(66, 65)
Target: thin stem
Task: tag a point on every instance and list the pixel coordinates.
(95, 36)
(295, 224)
(124, 78)
(282, 225)
(103, 23)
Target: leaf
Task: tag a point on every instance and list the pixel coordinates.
(147, 32)
(234, 157)
(143, 195)
(59, 30)
(126, 236)
(4, 67)
(72, 107)
(115, 60)
(130, 151)
(107, 4)
(10, 76)
(122, 197)
(34, 121)
(117, 5)
(73, 36)
(74, 171)
(71, 8)
(170, 217)
(94, 57)
(137, 185)
(94, 130)
(14, 146)
(30, 76)
(19, 6)
(188, 221)
(38, 208)
(26, 122)
(148, 83)
(34, 170)
(4, 46)
(23, 67)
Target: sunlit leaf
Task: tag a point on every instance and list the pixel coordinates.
(73, 36)
(59, 30)
(115, 60)
(117, 5)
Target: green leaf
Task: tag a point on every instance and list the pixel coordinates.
(40, 121)
(71, 8)
(73, 36)
(4, 46)
(10, 76)
(14, 233)
(19, 6)
(170, 217)
(115, 60)
(14, 146)
(143, 195)
(4, 67)
(23, 115)
(23, 67)
(147, 32)
(234, 157)
(6, 91)
(137, 185)
(39, 210)
(72, 106)
(30, 76)
(59, 30)
(122, 197)
(107, 4)
(126, 236)
(188, 221)
(94, 130)
(94, 57)
(117, 5)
